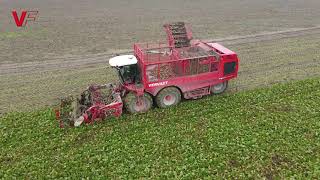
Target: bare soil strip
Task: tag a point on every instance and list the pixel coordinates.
(267, 36)
(89, 60)
(261, 65)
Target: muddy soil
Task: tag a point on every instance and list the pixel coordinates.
(79, 27)
(78, 61)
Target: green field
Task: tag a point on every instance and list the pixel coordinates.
(265, 126)
(260, 133)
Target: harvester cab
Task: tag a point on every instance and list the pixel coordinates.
(127, 68)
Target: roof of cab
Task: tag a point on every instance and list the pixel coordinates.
(123, 60)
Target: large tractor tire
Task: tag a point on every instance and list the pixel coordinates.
(219, 88)
(133, 105)
(168, 97)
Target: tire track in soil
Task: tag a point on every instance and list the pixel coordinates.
(250, 77)
(78, 61)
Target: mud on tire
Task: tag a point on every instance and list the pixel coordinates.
(133, 106)
(168, 97)
(219, 88)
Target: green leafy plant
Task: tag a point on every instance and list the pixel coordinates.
(264, 133)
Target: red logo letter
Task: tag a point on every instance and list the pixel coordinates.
(19, 22)
(32, 15)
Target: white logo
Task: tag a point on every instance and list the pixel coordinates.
(158, 84)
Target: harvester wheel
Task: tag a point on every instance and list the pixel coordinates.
(167, 97)
(134, 105)
(219, 88)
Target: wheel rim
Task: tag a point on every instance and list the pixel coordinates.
(169, 99)
(218, 87)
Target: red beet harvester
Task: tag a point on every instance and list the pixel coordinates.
(158, 74)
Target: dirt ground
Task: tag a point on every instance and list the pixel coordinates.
(81, 27)
(262, 64)
(68, 46)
